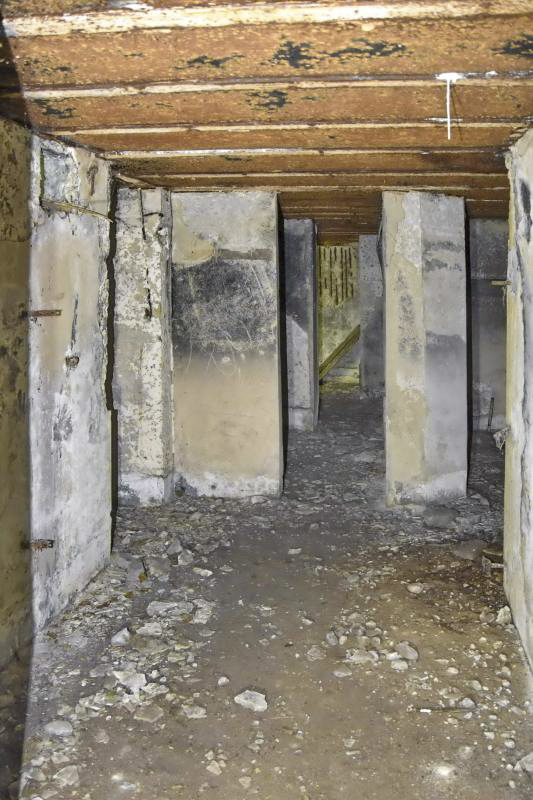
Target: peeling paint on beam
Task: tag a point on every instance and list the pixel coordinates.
(120, 20)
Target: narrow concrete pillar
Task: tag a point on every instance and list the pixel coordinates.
(300, 285)
(518, 518)
(142, 380)
(70, 426)
(371, 339)
(225, 335)
(488, 260)
(425, 347)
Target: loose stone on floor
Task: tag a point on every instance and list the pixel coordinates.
(311, 647)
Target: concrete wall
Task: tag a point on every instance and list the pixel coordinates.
(372, 337)
(69, 419)
(488, 260)
(225, 334)
(300, 296)
(142, 379)
(518, 521)
(338, 312)
(15, 580)
(425, 346)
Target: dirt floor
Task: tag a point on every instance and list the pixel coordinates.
(377, 652)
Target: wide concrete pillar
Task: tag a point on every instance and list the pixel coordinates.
(518, 520)
(371, 339)
(425, 347)
(142, 376)
(225, 336)
(300, 293)
(70, 425)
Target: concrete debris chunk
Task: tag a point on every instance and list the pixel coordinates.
(399, 665)
(185, 558)
(526, 763)
(504, 616)
(315, 653)
(59, 728)
(203, 613)
(407, 651)
(134, 681)
(255, 701)
(192, 711)
(150, 629)
(158, 608)
(121, 637)
(359, 656)
(467, 702)
(342, 672)
(149, 713)
(67, 776)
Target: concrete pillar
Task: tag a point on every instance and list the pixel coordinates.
(300, 285)
(518, 518)
(425, 347)
(15, 232)
(371, 339)
(225, 336)
(488, 260)
(142, 381)
(70, 426)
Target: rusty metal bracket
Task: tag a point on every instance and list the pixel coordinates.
(44, 312)
(42, 544)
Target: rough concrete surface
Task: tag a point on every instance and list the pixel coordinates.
(69, 419)
(519, 442)
(225, 338)
(316, 646)
(425, 346)
(142, 379)
(488, 261)
(371, 340)
(300, 298)
(15, 603)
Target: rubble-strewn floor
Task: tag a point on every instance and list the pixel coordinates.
(380, 649)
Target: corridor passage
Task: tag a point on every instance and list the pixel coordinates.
(319, 646)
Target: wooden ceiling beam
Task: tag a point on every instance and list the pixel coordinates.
(382, 101)
(347, 135)
(300, 39)
(347, 181)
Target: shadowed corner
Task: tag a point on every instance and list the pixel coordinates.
(15, 547)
